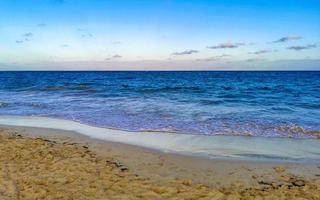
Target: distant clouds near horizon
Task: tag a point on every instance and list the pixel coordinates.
(150, 34)
(298, 48)
(186, 52)
(288, 38)
(228, 45)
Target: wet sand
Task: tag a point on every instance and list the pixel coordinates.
(38, 163)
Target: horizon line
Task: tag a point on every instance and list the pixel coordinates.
(273, 70)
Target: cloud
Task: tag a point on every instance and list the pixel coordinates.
(288, 38)
(64, 45)
(298, 48)
(228, 45)
(214, 58)
(42, 25)
(223, 55)
(254, 60)
(85, 33)
(207, 59)
(262, 51)
(28, 34)
(26, 37)
(186, 52)
(116, 56)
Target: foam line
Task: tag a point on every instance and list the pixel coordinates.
(229, 147)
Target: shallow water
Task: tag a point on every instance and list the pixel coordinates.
(271, 104)
(212, 147)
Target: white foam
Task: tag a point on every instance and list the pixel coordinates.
(235, 147)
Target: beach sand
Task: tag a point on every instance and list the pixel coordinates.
(38, 163)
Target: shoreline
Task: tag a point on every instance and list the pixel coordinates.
(133, 156)
(224, 177)
(211, 147)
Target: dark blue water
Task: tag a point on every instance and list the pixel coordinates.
(233, 103)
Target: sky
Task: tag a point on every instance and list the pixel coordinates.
(159, 35)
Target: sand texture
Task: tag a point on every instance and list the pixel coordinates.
(42, 168)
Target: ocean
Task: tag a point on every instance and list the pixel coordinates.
(268, 104)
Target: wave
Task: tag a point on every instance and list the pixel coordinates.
(126, 78)
(38, 105)
(264, 156)
(3, 104)
(80, 87)
(227, 88)
(169, 89)
(257, 104)
(310, 105)
(285, 109)
(265, 88)
(211, 102)
(299, 130)
(222, 147)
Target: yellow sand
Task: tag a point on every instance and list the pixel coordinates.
(37, 168)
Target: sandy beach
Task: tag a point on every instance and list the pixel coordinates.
(159, 100)
(39, 163)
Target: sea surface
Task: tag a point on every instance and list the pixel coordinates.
(269, 104)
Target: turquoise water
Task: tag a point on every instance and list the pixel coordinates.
(270, 104)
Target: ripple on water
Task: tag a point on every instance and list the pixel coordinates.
(270, 104)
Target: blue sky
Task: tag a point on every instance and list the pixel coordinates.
(159, 35)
